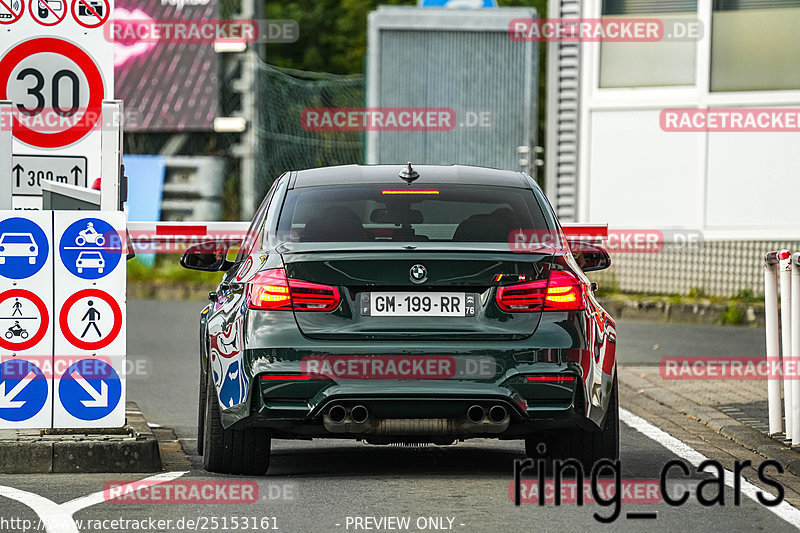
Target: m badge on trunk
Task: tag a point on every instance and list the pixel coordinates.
(418, 274)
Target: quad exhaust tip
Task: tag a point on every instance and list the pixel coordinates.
(337, 413)
(359, 414)
(476, 414)
(497, 414)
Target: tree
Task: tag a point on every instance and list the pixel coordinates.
(333, 33)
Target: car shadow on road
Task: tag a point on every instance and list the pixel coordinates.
(324, 458)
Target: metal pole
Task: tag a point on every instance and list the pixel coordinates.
(795, 352)
(785, 269)
(6, 155)
(111, 155)
(245, 151)
(773, 351)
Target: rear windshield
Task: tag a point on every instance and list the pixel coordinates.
(444, 213)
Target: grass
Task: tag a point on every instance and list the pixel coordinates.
(167, 270)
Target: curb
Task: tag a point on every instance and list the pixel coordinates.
(744, 435)
(687, 313)
(130, 449)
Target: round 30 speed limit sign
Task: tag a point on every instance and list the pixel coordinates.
(57, 89)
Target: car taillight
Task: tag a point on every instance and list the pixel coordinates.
(271, 290)
(287, 377)
(562, 292)
(552, 379)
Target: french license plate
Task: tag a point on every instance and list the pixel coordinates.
(418, 304)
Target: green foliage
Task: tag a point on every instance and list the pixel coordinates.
(168, 270)
(697, 292)
(732, 315)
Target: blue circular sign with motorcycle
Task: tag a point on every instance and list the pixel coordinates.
(91, 248)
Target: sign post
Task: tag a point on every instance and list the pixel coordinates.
(90, 345)
(6, 142)
(57, 68)
(26, 320)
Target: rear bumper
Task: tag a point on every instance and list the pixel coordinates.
(424, 406)
(396, 409)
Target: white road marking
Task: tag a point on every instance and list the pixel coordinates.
(686, 452)
(57, 518)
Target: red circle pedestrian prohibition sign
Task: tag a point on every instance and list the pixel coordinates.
(87, 66)
(105, 340)
(43, 322)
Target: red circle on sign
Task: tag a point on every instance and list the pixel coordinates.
(90, 293)
(92, 10)
(33, 341)
(4, 5)
(49, 9)
(96, 90)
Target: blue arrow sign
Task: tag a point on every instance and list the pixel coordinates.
(90, 248)
(23, 248)
(90, 389)
(23, 390)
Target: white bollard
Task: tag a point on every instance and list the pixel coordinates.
(785, 269)
(773, 350)
(795, 353)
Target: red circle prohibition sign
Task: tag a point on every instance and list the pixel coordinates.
(14, 16)
(89, 69)
(40, 306)
(70, 336)
(101, 19)
(49, 9)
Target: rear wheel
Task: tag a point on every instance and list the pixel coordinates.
(587, 447)
(232, 451)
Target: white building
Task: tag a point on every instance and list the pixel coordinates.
(610, 161)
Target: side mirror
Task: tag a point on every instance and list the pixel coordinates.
(590, 257)
(209, 256)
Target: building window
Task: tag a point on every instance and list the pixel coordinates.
(648, 64)
(755, 45)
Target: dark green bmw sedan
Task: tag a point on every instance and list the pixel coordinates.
(391, 304)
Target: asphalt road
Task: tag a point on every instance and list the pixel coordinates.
(322, 483)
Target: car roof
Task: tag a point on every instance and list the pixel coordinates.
(390, 175)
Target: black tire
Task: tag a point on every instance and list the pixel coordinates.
(201, 412)
(232, 451)
(587, 447)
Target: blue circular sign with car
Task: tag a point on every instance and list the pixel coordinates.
(23, 248)
(90, 248)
